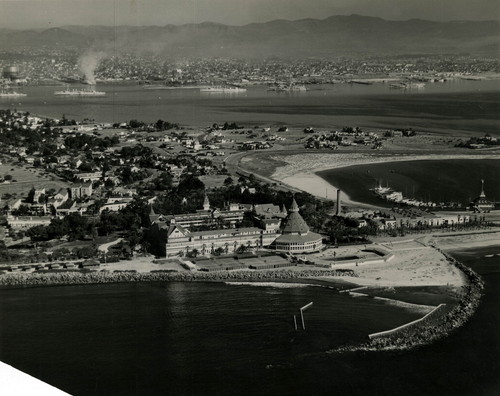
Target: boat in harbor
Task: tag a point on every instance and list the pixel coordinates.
(288, 88)
(10, 93)
(217, 89)
(80, 92)
(407, 85)
(390, 195)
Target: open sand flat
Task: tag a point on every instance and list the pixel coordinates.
(300, 169)
(413, 264)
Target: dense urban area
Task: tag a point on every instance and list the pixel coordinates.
(49, 66)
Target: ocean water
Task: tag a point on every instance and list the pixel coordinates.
(183, 337)
(207, 338)
(430, 180)
(458, 105)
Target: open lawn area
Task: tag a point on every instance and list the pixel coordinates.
(212, 181)
(24, 178)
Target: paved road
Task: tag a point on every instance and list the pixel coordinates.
(105, 246)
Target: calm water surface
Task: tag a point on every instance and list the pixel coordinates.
(147, 338)
(185, 338)
(457, 104)
(430, 180)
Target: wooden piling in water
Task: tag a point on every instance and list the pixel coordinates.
(302, 314)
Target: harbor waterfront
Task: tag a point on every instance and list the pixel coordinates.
(323, 105)
(218, 198)
(398, 296)
(356, 173)
(260, 339)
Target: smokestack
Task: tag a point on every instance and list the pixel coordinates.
(88, 63)
(338, 203)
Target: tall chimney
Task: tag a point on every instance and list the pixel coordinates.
(338, 203)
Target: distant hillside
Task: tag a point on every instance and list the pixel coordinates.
(333, 36)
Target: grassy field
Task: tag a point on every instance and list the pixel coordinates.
(26, 177)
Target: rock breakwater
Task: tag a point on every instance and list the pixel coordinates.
(434, 327)
(99, 277)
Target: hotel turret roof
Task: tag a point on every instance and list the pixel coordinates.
(294, 223)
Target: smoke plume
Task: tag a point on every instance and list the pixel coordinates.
(88, 63)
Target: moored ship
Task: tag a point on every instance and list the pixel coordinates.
(80, 92)
(11, 94)
(407, 85)
(222, 89)
(7, 92)
(288, 88)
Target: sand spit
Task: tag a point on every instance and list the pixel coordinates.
(300, 169)
(311, 162)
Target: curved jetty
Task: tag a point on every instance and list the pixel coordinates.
(433, 326)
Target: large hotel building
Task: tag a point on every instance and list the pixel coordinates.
(289, 235)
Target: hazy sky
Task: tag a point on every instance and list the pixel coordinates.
(24, 14)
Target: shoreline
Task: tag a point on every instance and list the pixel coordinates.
(410, 336)
(423, 333)
(74, 277)
(301, 170)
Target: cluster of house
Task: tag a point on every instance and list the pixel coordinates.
(386, 220)
(277, 229)
(45, 206)
(256, 145)
(483, 142)
(341, 138)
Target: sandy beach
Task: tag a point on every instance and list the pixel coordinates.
(411, 264)
(300, 169)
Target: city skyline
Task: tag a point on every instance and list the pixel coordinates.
(25, 14)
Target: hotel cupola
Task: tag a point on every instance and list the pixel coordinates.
(295, 235)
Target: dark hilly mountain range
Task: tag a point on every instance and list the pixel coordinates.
(333, 36)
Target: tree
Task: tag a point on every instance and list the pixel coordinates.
(109, 184)
(163, 181)
(86, 167)
(242, 249)
(105, 168)
(31, 196)
(42, 199)
(135, 124)
(78, 226)
(134, 238)
(193, 253)
(228, 181)
(190, 183)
